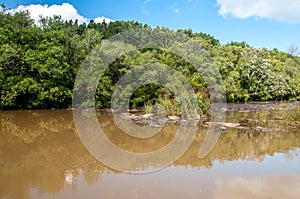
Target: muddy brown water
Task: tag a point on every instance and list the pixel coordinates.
(41, 156)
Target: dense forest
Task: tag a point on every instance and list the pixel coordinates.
(39, 64)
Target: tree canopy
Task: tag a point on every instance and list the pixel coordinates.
(39, 64)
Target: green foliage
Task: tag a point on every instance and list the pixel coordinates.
(258, 74)
(38, 66)
(148, 107)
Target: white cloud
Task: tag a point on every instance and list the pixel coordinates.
(280, 10)
(65, 10)
(176, 10)
(101, 19)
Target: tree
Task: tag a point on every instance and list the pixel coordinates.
(293, 50)
(39, 63)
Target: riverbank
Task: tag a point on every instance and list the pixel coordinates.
(253, 116)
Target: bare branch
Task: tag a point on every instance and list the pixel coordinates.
(293, 50)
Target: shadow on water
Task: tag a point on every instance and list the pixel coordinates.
(41, 154)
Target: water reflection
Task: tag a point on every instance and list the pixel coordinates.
(260, 188)
(42, 156)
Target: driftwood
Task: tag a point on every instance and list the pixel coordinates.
(238, 126)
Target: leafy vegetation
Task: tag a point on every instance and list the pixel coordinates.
(39, 63)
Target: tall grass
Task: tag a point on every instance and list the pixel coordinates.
(148, 107)
(185, 105)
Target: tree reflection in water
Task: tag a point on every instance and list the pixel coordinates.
(41, 150)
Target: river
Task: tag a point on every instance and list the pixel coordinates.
(42, 156)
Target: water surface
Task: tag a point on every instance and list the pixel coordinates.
(41, 156)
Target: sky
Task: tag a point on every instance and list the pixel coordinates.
(261, 23)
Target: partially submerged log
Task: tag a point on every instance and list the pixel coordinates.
(238, 126)
(224, 124)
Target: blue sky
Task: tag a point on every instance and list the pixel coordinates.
(261, 23)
